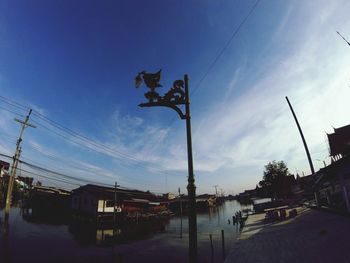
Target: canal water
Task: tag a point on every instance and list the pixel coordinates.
(34, 239)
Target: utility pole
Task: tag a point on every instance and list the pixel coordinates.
(216, 190)
(180, 202)
(306, 148)
(302, 137)
(180, 212)
(115, 203)
(24, 124)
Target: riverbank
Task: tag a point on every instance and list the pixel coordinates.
(312, 236)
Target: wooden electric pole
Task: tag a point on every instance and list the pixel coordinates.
(24, 124)
(216, 190)
(302, 137)
(115, 204)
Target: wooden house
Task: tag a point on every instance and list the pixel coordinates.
(94, 200)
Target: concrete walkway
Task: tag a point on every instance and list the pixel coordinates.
(312, 236)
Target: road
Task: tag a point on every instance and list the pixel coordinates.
(312, 236)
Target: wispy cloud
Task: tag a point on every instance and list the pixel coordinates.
(304, 59)
(258, 127)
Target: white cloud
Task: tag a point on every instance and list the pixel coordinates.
(258, 126)
(232, 143)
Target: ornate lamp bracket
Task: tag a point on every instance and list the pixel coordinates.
(174, 107)
(172, 99)
(176, 96)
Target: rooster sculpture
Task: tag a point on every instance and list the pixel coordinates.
(150, 79)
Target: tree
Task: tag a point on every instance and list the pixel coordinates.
(277, 180)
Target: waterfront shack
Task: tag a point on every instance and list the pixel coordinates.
(205, 201)
(303, 188)
(4, 168)
(98, 201)
(333, 181)
(46, 199)
(333, 184)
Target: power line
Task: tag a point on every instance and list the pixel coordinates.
(82, 137)
(49, 178)
(86, 170)
(68, 177)
(8, 136)
(225, 46)
(55, 158)
(5, 155)
(61, 127)
(105, 148)
(124, 189)
(211, 65)
(33, 166)
(129, 180)
(59, 173)
(13, 112)
(133, 180)
(94, 143)
(100, 148)
(343, 38)
(14, 103)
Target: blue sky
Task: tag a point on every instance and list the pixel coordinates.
(75, 61)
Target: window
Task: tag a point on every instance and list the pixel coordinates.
(109, 203)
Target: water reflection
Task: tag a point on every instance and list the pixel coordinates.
(105, 235)
(89, 232)
(38, 216)
(44, 237)
(4, 244)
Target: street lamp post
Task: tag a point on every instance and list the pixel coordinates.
(176, 96)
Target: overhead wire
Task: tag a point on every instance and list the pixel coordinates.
(235, 32)
(70, 163)
(8, 136)
(125, 189)
(55, 158)
(212, 64)
(14, 103)
(33, 166)
(49, 178)
(68, 178)
(81, 139)
(60, 127)
(131, 180)
(92, 144)
(71, 132)
(36, 167)
(101, 149)
(100, 145)
(11, 111)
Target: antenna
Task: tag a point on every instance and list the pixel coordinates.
(343, 38)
